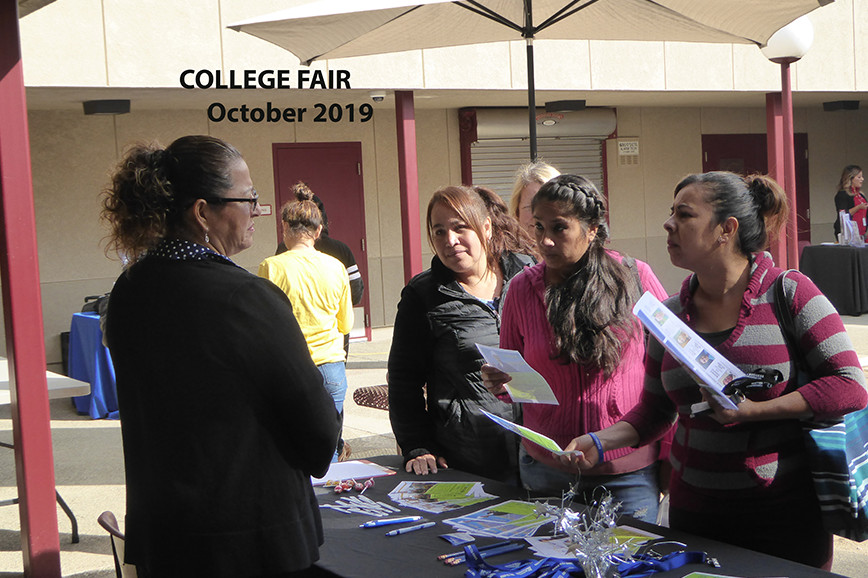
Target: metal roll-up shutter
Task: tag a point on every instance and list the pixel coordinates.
(496, 161)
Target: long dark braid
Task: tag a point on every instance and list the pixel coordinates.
(590, 312)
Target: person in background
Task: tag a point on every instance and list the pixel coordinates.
(340, 251)
(318, 288)
(571, 318)
(528, 179)
(507, 234)
(849, 198)
(443, 313)
(224, 417)
(741, 476)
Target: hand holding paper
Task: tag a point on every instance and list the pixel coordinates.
(494, 380)
(525, 385)
(711, 370)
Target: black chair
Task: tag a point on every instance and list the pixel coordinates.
(108, 521)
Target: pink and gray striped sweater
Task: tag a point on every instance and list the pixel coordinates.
(714, 464)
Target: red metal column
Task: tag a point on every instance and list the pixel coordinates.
(775, 147)
(789, 166)
(408, 182)
(22, 308)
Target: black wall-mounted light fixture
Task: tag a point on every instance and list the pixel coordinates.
(565, 105)
(121, 106)
(834, 105)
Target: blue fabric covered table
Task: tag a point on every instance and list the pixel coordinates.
(90, 361)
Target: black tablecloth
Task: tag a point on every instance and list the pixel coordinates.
(353, 551)
(841, 273)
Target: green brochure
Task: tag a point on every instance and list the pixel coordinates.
(526, 433)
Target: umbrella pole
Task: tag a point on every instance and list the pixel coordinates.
(531, 100)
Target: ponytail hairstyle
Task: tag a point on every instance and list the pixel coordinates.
(507, 235)
(757, 202)
(152, 187)
(471, 209)
(590, 312)
(845, 183)
(302, 215)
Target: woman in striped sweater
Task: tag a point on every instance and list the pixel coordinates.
(741, 476)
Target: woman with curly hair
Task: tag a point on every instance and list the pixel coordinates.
(570, 317)
(223, 413)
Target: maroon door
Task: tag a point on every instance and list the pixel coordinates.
(747, 153)
(333, 171)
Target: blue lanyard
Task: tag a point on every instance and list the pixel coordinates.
(642, 565)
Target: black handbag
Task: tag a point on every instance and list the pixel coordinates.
(95, 304)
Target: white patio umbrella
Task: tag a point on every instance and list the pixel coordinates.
(342, 28)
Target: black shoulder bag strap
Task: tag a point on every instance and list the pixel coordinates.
(784, 313)
(630, 263)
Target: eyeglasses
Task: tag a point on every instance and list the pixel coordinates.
(254, 200)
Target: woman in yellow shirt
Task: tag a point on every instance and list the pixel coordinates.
(318, 288)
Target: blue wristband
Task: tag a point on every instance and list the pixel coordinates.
(599, 445)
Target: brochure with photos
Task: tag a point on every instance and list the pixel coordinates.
(511, 519)
(713, 370)
(439, 497)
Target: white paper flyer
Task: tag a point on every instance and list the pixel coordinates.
(526, 386)
(712, 369)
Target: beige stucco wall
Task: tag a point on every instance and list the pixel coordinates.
(640, 195)
(835, 140)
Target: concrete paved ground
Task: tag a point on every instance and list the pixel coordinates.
(89, 467)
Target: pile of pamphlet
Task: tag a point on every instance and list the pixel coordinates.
(511, 519)
(559, 546)
(439, 497)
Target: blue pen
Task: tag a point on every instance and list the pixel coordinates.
(462, 559)
(388, 521)
(400, 531)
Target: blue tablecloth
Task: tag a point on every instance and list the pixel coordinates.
(90, 361)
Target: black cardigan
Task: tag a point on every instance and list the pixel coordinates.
(224, 419)
(434, 343)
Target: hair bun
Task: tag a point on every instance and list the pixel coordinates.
(302, 192)
(760, 189)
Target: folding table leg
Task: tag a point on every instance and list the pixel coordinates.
(63, 506)
(69, 515)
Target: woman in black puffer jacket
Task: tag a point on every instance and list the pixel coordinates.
(444, 312)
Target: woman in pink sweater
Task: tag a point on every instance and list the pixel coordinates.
(570, 317)
(740, 476)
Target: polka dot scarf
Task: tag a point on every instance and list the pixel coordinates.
(179, 250)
